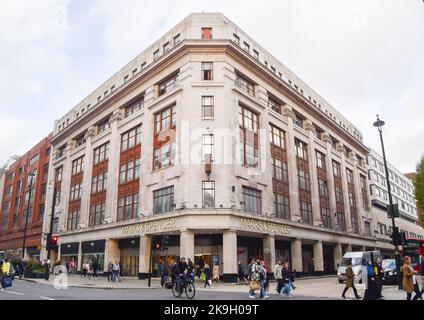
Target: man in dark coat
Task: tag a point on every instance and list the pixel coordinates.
(380, 276)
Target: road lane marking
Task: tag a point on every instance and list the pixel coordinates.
(12, 292)
(47, 298)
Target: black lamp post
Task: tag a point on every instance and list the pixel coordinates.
(49, 235)
(31, 175)
(395, 233)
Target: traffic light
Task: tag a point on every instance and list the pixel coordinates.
(53, 242)
(393, 211)
(398, 238)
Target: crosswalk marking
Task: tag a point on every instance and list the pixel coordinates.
(47, 298)
(12, 292)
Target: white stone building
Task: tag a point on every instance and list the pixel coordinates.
(402, 190)
(207, 138)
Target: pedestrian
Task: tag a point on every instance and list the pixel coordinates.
(94, 267)
(371, 293)
(207, 275)
(164, 272)
(21, 268)
(409, 280)
(278, 276)
(121, 271)
(201, 264)
(286, 276)
(254, 278)
(350, 278)
(379, 270)
(216, 272)
(422, 275)
(263, 276)
(85, 267)
(190, 268)
(115, 268)
(72, 266)
(6, 274)
(241, 273)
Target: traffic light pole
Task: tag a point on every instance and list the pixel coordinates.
(150, 263)
(49, 235)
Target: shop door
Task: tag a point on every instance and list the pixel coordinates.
(130, 265)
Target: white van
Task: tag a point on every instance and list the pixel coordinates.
(359, 260)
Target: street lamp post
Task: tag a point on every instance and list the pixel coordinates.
(379, 124)
(49, 235)
(32, 175)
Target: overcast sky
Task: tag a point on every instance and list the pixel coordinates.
(364, 57)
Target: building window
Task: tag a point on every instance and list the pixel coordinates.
(249, 149)
(168, 84)
(304, 181)
(73, 220)
(298, 120)
(336, 169)
(165, 119)
(320, 160)
(279, 171)
(323, 188)
(58, 174)
(246, 47)
(163, 200)
(164, 156)
(101, 153)
(339, 194)
(75, 192)
(177, 39)
(97, 213)
(282, 206)
(208, 194)
(207, 107)
(207, 70)
(128, 207)
(99, 183)
(341, 221)
(41, 212)
(134, 107)
(34, 159)
(61, 151)
(207, 147)
(301, 149)
(45, 171)
(325, 216)
(274, 105)
(207, 33)
(131, 138)
(156, 54)
(349, 175)
(248, 119)
(277, 137)
(236, 39)
(306, 211)
(129, 171)
(79, 141)
(77, 165)
(355, 225)
(166, 47)
(245, 85)
(164, 149)
(252, 200)
(367, 228)
(255, 54)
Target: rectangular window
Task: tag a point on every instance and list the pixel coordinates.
(77, 165)
(43, 192)
(279, 172)
(103, 126)
(207, 147)
(207, 33)
(101, 153)
(131, 138)
(245, 85)
(156, 54)
(45, 171)
(41, 212)
(277, 137)
(367, 228)
(339, 194)
(255, 54)
(99, 183)
(320, 160)
(325, 216)
(166, 47)
(349, 175)
(163, 200)
(249, 140)
(207, 106)
(304, 181)
(248, 119)
(97, 213)
(128, 207)
(336, 169)
(246, 47)
(252, 200)
(177, 39)
(207, 70)
(75, 193)
(274, 105)
(164, 156)
(236, 39)
(301, 149)
(134, 107)
(282, 206)
(73, 220)
(323, 188)
(34, 159)
(298, 120)
(341, 221)
(306, 212)
(168, 84)
(129, 171)
(58, 174)
(208, 194)
(79, 141)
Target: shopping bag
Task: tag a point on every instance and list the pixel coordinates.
(254, 285)
(203, 276)
(6, 282)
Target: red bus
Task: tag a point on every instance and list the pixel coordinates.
(415, 249)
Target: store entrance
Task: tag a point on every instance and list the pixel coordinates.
(130, 256)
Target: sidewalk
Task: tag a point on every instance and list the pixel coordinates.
(324, 287)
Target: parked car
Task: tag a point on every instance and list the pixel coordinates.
(390, 272)
(359, 260)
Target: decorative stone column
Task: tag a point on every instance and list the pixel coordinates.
(61, 209)
(269, 253)
(187, 244)
(86, 180)
(358, 192)
(318, 258)
(340, 148)
(296, 255)
(112, 252)
(330, 179)
(229, 252)
(338, 255)
(291, 164)
(79, 256)
(144, 257)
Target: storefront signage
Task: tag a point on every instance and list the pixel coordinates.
(265, 226)
(151, 226)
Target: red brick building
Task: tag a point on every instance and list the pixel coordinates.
(14, 201)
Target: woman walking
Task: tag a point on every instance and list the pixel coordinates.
(409, 280)
(263, 276)
(207, 276)
(371, 293)
(286, 276)
(216, 272)
(350, 276)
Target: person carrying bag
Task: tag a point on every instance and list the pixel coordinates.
(7, 273)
